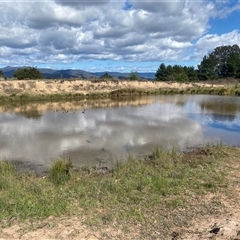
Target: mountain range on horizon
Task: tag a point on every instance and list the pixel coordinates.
(49, 73)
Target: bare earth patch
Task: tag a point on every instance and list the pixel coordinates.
(224, 224)
(62, 228)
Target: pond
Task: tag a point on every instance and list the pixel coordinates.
(97, 133)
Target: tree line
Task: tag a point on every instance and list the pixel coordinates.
(223, 62)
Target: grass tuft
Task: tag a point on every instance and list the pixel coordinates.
(7, 172)
(60, 171)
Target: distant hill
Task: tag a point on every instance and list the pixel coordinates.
(51, 73)
(74, 73)
(8, 71)
(149, 75)
(68, 73)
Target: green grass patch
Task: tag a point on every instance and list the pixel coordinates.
(137, 191)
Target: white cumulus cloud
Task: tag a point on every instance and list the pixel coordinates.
(61, 31)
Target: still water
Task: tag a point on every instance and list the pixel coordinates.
(100, 132)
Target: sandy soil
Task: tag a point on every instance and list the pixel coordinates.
(227, 221)
(201, 228)
(35, 87)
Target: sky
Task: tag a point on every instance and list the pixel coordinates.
(114, 35)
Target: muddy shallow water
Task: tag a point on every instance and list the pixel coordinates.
(100, 132)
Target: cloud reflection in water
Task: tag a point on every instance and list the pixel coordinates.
(105, 133)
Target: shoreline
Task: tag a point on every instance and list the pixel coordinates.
(54, 86)
(72, 89)
(158, 198)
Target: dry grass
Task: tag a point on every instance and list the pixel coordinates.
(46, 87)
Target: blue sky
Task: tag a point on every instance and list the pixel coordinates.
(114, 35)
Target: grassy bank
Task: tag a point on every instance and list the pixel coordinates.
(125, 90)
(232, 90)
(163, 192)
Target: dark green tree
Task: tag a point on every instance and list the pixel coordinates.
(208, 68)
(222, 62)
(238, 72)
(162, 73)
(133, 76)
(170, 70)
(191, 73)
(181, 77)
(27, 73)
(176, 73)
(177, 69)
(170, 73)
(231, 67)
(222, 54)
(179, 74)
(106, 76)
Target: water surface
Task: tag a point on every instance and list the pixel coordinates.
(101, 132)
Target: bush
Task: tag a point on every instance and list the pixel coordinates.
(133, 76)
(27, 73)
